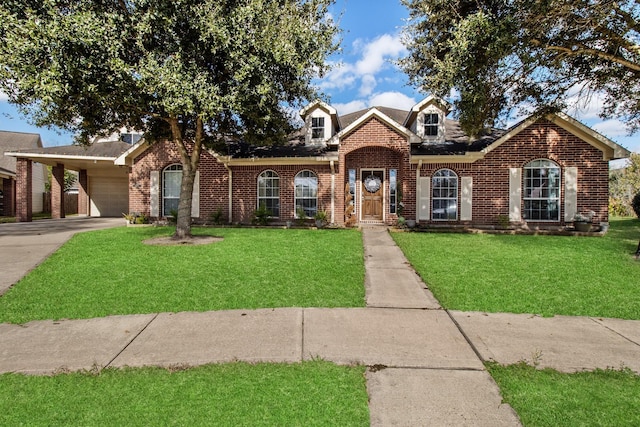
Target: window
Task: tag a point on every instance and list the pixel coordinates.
(542, 191)
(317, 127)
(444, 195)
(171, 182)
(269, 192)
(431, 124)
(130, 138)
(306, 195)
(393, 191)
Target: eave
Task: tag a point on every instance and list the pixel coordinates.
(469, 157)
(272, 161)
(72, 162)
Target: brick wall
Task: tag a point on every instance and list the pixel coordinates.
(376, 145)
(24, 191)
(214, 188)
(542, 140)
(245, 193)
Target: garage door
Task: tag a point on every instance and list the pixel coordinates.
(109, 196)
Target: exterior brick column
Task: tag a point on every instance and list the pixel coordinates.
(57, 191)
(9, 192)
(83, 193)
(24, 190)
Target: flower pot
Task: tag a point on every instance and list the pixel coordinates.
(411, 223)
(582, 227)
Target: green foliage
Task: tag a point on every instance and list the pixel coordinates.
(70, 178)
(249, 268)
(624, 183)
(547, 275)
(501, 54)
(262, 215)
(235, 394)
(191, 71)
(550, 398)
(217, 216)
(635, 204)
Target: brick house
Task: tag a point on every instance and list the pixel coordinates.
(17, 141)
(375, 165)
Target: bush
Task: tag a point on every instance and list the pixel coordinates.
(635, 204)
(262, 215)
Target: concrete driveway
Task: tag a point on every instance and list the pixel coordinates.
(24, 245)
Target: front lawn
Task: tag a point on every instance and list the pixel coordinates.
(549, 398)
(547, 275)
(238, 394)
(109, 272)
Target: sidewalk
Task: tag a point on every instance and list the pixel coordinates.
(427, 363)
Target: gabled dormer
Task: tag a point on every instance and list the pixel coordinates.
(427, 119)
(320, 122)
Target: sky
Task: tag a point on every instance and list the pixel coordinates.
(364, 74)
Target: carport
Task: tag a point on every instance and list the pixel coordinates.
(103, 187)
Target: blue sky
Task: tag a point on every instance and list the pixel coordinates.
(364, 74)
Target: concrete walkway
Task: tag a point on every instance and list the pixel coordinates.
(426, 364)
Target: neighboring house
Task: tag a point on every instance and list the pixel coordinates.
(375, 165)
(17, 141)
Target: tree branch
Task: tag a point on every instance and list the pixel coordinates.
(591, 52)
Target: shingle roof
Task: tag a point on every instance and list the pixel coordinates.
(110, 149)
(16, 141)
(393, 113)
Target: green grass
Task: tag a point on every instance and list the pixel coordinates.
(549, 398)
(110, 272)
(238, 394)
(547, 275)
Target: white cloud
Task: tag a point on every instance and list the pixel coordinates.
(378, 52)
(611, 128)
(371, 58)
(368, 84)
(350, 107)
(3, 96)
(385, 99)
(393, 100)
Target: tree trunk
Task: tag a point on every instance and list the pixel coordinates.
(190, 163)
(183, 222)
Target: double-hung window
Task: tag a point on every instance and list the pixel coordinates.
(306, 193)
(444, 195)
(542, 191)
(317, 127)
(171, 182)
(431, 121)
(269, 192)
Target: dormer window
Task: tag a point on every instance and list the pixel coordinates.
(317, 128)
(431, 125)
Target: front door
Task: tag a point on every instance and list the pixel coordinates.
(372, 195)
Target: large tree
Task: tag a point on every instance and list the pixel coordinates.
(190, 71)
(499, 54)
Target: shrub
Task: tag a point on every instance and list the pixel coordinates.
(635, 204)
(217, 216)
(262, 215)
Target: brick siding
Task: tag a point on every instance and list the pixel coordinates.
(376, 145)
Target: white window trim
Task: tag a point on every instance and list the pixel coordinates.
(457, 198)
(295, 191)
(559, 198)
(258, 198)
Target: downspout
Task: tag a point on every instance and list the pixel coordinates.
(418, 191)
(230, 196)
(333, 192)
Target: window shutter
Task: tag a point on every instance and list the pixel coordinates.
(466, 199)
(420, 125)
(570, 193)
(195, 197)
(424, 195)
(154, 193)
(515, 194)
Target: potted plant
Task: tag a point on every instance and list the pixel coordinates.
(582, 222)
(321, 218)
